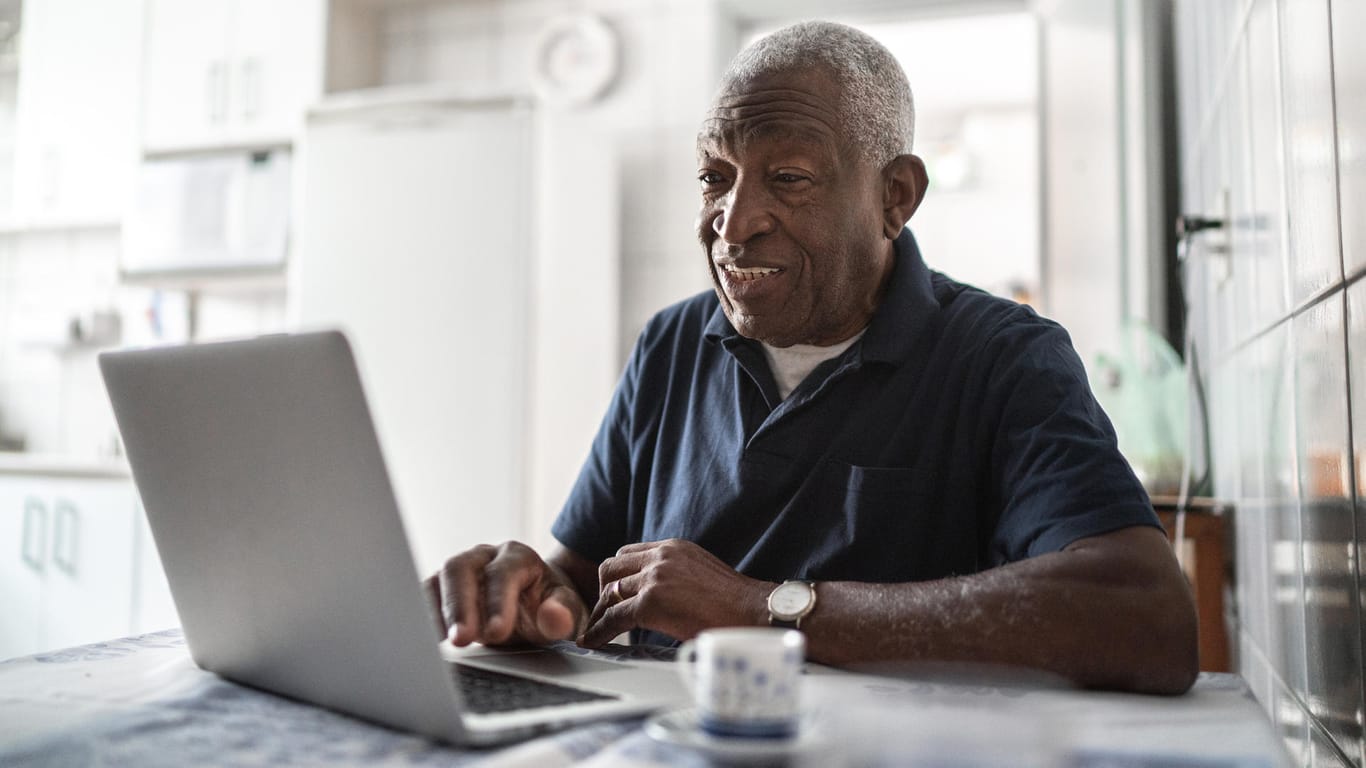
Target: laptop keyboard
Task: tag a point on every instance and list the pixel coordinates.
(486, 692)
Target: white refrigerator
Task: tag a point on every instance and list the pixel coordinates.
(415, 235)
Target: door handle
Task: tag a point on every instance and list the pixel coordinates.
(215, 91)
(34, 509)
(66, 533)
(251, 87)
(1188, 224)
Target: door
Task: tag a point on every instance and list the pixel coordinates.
(25, 521)
(277, 67)
(88, 584)
(186, 87)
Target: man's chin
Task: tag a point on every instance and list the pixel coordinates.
(754, 327)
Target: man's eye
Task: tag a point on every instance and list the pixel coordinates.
(788, 178)
(710, 177)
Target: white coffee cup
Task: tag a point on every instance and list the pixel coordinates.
(746, 682)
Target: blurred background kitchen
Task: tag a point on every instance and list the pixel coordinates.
(493, 196)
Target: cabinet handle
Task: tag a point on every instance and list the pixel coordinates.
(33, 509)
(66, 533)
(215, 91)
(251, 87)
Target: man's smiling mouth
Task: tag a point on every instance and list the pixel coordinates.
(746, 274)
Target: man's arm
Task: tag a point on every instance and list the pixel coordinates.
(1110, 611)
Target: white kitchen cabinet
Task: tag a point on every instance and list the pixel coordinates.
(66, 561)
(75, 113)
(23, 525)
(185, 85)
(229, 73)
(153, 608)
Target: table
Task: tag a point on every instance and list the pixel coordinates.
(142, 701)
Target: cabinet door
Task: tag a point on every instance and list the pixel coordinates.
(153, 608)
(277, 67)
(24, 525)
(88, 586)
(187, 73)
(75, 118)
(230, 72)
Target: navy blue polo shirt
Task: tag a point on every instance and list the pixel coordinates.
(959, 433)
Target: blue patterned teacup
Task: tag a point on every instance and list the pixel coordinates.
(746, 682)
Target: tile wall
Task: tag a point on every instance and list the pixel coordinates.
(1272, 97)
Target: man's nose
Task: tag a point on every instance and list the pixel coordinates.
(745, 213)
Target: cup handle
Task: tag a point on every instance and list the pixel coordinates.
(686, 663)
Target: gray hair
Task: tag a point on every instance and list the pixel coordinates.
(879, 110)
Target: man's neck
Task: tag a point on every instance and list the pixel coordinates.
(791, 365)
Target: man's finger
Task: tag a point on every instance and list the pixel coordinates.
(560, 615)
(640, 546)
(462, 596)
(613, 593)
(504, 581)
(621, 566)
(617, 618)
(431, 587)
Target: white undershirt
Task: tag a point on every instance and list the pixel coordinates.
(790, 365)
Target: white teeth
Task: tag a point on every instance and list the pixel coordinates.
(750, 273)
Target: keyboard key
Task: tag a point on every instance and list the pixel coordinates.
(486, 692)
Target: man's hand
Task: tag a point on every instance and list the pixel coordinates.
(674, 587)
(506, 594)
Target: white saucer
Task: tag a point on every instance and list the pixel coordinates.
(679, 727)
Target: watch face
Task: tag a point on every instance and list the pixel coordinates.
(790, 600)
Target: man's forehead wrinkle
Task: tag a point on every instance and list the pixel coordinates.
(786, 130)
(773, 122)
(748, 105)
(778, 119)
(713, 141)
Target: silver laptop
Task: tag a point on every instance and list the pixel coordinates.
(268, 499)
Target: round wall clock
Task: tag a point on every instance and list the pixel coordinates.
(576, 59)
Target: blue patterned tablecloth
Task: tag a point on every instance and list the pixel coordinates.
(142, 701)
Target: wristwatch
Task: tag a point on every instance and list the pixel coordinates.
(791, 602)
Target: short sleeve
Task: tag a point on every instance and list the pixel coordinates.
(593, 521)
(1055, 458)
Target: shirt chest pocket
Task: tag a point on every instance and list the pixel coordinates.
(865, 486)
(888, 524)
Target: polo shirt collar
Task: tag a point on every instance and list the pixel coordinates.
(905, 309)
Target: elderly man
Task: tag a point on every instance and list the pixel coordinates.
(837, 438)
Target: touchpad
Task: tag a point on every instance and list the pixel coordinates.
(544, 663)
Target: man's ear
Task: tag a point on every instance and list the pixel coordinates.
(904, 184)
